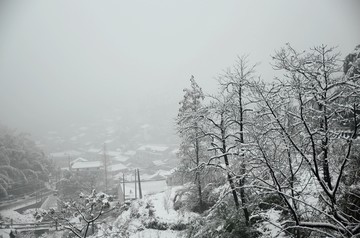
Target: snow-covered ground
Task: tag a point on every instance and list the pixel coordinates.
(147, 187)
(152, 233)
(27, 217)
(152, 216)
(11, 213)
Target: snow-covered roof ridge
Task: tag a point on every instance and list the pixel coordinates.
(79, 159)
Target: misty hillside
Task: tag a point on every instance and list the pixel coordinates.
(23, 166)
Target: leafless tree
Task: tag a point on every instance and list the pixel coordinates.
(314, 84)
(235, 82)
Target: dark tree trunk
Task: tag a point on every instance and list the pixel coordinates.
(232, 185)
(324, 146)
(198, 180)
(243, 168)
(226, 160)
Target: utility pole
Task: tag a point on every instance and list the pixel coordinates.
(69, 163)
(135, 186)
(124, 186)
(105, 169)
(140, 192)
(36, 196)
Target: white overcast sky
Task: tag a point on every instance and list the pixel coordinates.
(68, 60)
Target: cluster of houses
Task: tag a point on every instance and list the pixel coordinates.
(154, 162)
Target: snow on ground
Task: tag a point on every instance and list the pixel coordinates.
(50, 202)
(4, 232)
(10, 213)
(147, 187)
(152, 233)
(152, 216)
(27, 217)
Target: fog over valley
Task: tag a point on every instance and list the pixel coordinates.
(189, 118)
(65, 62)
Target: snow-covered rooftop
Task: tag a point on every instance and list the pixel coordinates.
(65, 153)
(130, 152)
(113, 153)
(87, 164)
(117, 167)
(157, 148)
(120, 158)
(158, 162)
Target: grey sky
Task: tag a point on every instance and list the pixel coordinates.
(65, 61)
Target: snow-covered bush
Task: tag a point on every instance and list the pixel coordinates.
(221, 221)
(186, 198)
(79, 216)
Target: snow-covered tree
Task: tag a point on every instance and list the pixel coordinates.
(224, 139)
(79, 216)
(23, 166)
(188, 126)
(314, 84)
(236, 82)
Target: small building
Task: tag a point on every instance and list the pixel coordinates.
(87, 166)
(79, 159)
(152, 152)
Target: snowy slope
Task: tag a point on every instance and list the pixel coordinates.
(152, 216)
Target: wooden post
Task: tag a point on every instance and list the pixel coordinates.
(135, 186)
(140, 192)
